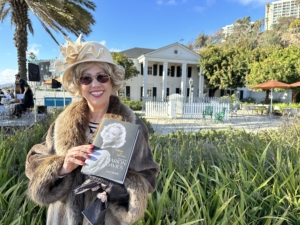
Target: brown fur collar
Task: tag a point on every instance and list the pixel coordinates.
(72, 123)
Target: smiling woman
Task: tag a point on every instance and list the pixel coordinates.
(54, 166)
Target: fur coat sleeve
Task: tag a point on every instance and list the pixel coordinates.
(45, 160)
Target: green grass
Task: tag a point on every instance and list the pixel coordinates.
(209, 177)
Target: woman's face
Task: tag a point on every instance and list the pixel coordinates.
(111, 135)
(97, 94)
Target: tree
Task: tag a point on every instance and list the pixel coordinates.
(274, 63)
(59, 15)
(126, 63)
(32, 56)
(224, 66)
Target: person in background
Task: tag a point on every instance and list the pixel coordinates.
(26, 102)
(54, 166)
(1, 93)
(8, 96)
(11, 94)
(22, 83)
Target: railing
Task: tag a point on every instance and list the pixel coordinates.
(157, 109)
(176, 109)
(188, 99)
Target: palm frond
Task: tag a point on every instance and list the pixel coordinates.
(49, 32)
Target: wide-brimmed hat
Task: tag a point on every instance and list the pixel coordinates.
(79, 52)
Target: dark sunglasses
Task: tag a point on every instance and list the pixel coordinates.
(101, 78)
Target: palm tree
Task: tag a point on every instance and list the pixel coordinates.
(59, 15)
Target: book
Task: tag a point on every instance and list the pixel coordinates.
(113, 147)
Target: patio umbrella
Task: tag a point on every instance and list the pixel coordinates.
(297, 84)
(270, 85)
(49, 82)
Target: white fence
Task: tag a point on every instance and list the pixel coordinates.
(157, 109)
(176, 109)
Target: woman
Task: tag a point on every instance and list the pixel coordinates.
(54, 167)
(26, 102)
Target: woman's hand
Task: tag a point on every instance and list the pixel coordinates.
(75, 157)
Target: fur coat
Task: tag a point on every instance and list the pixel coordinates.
(45, 160)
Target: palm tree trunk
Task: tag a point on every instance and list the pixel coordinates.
(20, 20)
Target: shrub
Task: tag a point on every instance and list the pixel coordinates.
(134, 105)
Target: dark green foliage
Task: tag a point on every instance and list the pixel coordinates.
(134, 105)
(148, 124)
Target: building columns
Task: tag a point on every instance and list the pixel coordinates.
(164, 81)
(145, 78)
(183, 80)
(201, 83)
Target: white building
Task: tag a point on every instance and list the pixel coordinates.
(281, 8)
(227, 30)
(163, 72)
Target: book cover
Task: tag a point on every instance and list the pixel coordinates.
(113, 147)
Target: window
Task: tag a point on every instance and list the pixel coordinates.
(154, 70)
(189, 71)
(128, 91)
(121, 92)
(149, 70)
(178, 71)
(177, 90)
(161, 68)
(154, 91)
(142, 69)
(149, 92)
(172, 71)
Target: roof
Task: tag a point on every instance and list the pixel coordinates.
(136, 52)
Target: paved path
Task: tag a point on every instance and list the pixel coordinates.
(250, 122)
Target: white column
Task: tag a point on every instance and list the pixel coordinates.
(145, 78)
(164, 80)
(201, 83)
(183, 80)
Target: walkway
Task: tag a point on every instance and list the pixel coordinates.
(250, 122)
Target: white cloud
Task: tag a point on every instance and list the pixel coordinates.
(34, 48)
(198, 9)
(103, 42)
(256, 2)
(159, 2)
(7, 76)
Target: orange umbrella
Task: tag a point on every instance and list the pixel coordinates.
(297, 84)
(49, 82)
(270, 85)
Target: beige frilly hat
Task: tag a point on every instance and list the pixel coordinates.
(79, 52)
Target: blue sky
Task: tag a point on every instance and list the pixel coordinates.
(122, 25)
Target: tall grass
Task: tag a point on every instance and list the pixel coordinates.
(15, 207)
(209, 177)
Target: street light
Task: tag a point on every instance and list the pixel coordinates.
(191, 89)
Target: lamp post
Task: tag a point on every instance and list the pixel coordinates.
(191, 90)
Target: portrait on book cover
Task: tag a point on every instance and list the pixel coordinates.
(113, 137)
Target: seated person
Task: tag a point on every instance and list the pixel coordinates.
(27, 102)
(11, 94)
(8, 96)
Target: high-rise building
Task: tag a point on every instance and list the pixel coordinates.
(227, 30)
(281, 8)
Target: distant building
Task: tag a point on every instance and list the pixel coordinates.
(281, 8)
(227, 30)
